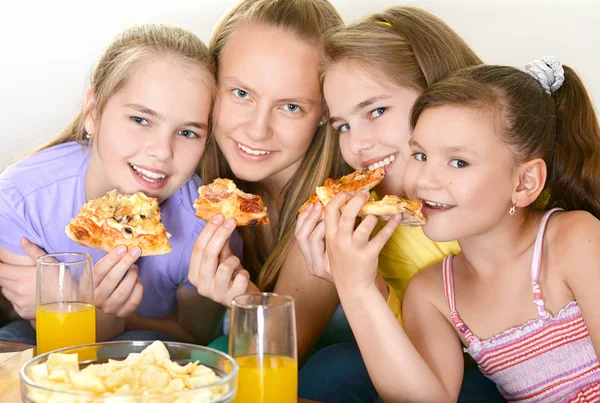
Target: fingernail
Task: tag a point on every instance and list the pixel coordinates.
(121, 250)
(230, 223)
(310, 207)
(366, 192)
(135, 252)
(218, 219)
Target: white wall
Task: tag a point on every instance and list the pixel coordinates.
(48, 48)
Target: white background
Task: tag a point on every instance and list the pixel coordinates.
(48, 48)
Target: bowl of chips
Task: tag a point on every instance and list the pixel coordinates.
(130, 372)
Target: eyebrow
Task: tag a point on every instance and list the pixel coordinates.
(362, 105)
(455, 149)
(447, 150)
(144, 109)
(415, 143)
(293, 100)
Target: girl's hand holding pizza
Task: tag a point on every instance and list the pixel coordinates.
(117, 287)
(352, 256)
(214, 270)
(310, 234)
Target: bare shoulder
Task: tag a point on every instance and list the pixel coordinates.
(575, 231)
(573, 240)
(427, 285)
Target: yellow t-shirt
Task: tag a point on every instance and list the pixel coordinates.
(406, 253)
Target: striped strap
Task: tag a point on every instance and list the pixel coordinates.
(449, 291)
(536, 263)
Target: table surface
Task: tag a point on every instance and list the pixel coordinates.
(9, 377)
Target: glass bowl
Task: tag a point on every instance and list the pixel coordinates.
(223, 365)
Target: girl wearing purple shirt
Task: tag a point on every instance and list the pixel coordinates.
(143, 127)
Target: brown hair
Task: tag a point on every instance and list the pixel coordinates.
(120, 58)
(308, 20)
(409, 46)
(562, 128)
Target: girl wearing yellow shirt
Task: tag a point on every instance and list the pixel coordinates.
(374, 71)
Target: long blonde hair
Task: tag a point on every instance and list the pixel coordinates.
(120, 58)
(308, 20)
(410, 46)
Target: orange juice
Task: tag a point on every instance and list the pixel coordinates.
(267, 379)
(64, 324)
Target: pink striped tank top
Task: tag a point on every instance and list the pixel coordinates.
(548, 359)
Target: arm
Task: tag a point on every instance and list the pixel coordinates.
(198, 316)
(396, 366)
(18, 279)
(18, 282)
(582, 272)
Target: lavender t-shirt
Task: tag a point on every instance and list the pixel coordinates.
(40, 194)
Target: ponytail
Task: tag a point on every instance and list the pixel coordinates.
(574, 173)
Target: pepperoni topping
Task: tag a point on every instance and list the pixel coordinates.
(250, 206)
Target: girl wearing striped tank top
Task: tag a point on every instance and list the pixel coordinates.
(506, 162)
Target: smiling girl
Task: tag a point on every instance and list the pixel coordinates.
(143, 127)
(269, 136)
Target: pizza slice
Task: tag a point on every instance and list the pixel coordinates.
(385, 208)
(353, 183)
(366, 180)
(222, 196)
(115, 219)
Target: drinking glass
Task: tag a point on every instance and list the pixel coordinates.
(263, 342)
(65, 312)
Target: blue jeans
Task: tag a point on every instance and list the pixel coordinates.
(337, 374)
(21, 331)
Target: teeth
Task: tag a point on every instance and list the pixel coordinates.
(250, 151)
(383, 163)
(433, 204)
(148, 176)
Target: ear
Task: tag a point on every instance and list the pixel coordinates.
(529, 183)
(90, 122)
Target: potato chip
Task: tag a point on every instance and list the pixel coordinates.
(150, 371)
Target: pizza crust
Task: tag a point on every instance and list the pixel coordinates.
(114, 220)
(389, 206)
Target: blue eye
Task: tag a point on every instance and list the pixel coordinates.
(343, 128)
(458, 163)
(419, 156)
(138, 120)
(378, 112)
(292, 108)
(240, 94)
(188, 134)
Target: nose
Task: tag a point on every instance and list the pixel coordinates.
(361, 139)
(258, 125)
(161, 147)
(428, 176)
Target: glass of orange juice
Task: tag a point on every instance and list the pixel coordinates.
(65, 314)
(263, 342)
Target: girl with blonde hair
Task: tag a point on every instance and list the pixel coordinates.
(143, 127)
(270, 136)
